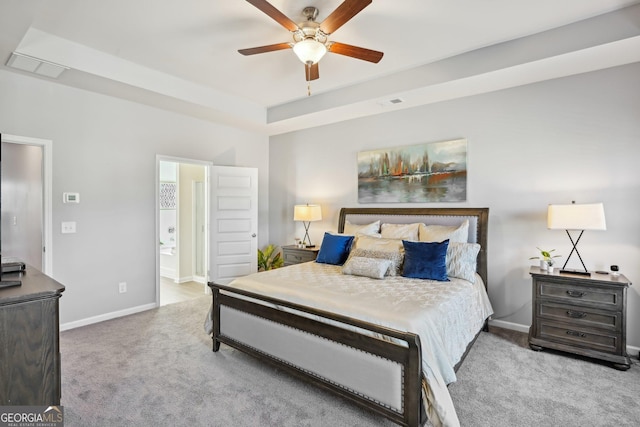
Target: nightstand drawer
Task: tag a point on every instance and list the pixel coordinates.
(581, 316)
(298, 257)
(582, 295)
(294, 255)
(582, 337)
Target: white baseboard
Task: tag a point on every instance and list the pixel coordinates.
(631, 350)
(509, 325)
(106, 316)
(197, 279)
(169, 273)
(185, 279)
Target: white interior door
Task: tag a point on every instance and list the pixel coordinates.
(233, 234)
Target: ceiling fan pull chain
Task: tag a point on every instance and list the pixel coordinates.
(307, 69)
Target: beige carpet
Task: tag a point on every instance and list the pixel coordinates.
(157, 369)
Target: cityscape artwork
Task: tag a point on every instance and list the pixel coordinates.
(424, 173)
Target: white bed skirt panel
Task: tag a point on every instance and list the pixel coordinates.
(372, 377)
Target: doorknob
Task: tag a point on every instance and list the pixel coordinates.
(253, 235)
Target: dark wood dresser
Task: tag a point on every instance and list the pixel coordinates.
(295, 255)
(585, 315)
(30, 340)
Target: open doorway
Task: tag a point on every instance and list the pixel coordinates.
(26, 209)
(182, 230)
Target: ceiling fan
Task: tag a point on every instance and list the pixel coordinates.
(311, 39)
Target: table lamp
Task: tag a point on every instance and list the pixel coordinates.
(307, 213)
(578, 217)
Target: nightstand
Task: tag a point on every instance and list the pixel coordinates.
(585, 315)
(295, 255)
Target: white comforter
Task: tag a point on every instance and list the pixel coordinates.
(446, 315)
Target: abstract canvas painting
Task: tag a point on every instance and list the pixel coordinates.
(430, 172)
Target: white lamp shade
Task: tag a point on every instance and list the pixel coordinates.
(307, 213)
(576, 217)
(309, 51)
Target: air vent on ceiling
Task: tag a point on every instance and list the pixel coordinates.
(35, 65)
(393, 101)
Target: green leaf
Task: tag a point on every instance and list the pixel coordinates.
(267, 260)
(546, 255)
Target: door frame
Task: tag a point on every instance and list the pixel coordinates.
(204, 278)
(163, 158)
(47, 191)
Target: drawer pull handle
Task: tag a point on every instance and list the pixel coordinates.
(576, 314)
(575, 294)
(576, 334)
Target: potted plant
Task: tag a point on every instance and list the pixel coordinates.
(550, 263)
(268, 260)
(546, 258)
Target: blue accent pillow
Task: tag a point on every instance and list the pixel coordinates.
(335, 249)
(425, 260)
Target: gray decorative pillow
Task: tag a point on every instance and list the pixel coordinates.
(374, 268)
(396, 259)
(461, 260)
(378, 244)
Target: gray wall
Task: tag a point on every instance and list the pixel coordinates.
(105, 148)
(575, 138)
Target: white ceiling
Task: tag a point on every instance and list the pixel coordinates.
(182, 55)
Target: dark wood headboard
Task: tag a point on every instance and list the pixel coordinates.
(478, 223)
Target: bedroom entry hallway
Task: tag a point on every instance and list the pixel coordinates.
(182, 245)
(26, 195)
(207, 226)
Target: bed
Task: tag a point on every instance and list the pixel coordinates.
(392, 343)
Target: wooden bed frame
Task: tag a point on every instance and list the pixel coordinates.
(403, 348)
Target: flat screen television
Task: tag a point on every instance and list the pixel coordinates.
(8, 266)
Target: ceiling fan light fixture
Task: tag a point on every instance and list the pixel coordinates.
(309, 51)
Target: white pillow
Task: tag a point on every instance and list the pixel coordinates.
(401, 231)
(376, 268)
(368, 229)
(461, 260)
(440, 233)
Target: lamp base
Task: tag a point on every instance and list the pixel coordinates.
(309, 246)
(579, 272)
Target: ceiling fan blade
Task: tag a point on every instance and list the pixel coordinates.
(347, 10)
(356, 52)
(265, 49)
(311, 73)
(275, 14)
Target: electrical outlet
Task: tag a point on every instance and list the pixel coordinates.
(122, 286)
(68, 227)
